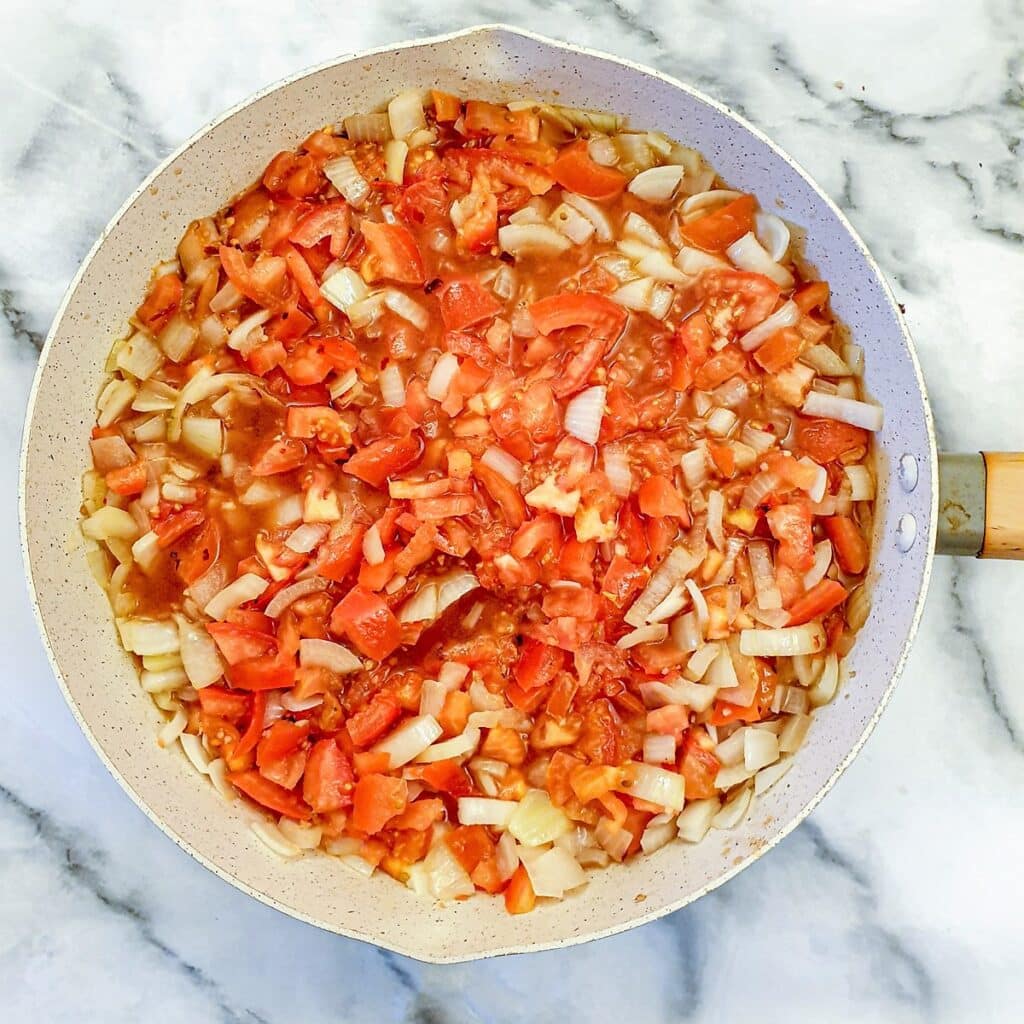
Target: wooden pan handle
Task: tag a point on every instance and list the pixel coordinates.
(981, 505)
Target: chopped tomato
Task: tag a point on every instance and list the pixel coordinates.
(465, 302)
(237, 643)
(811, 296)
(329, 780)
(270, 794)
(174, 527)
(576, 172)
(340, 555)
(818, 601)
(505, 494)
(443, 777)
(699, 765)
(720, 367)
(368, 622)
(317, 421)
(538, 664)
(330, 219)
(779, 351)
(377, 799)
(791, 527)
(222, 703)
(265, 281)
(447, 107)
(604, 318)
(717, 230)
(162, 302)
(269, 672)
(381, 459)
(281, 455)
(658, 497)
(519, 896)
(395, 253)
(202, 552)
(848, 541)
(489, 119)
(824, 440)
(128, 480)
(751, 297)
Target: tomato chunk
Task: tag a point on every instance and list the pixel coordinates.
(368, 622)
(376, 800)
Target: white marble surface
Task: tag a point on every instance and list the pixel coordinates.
(900, 899)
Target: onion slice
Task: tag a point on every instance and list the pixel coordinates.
(584, 413)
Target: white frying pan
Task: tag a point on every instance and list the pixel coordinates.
(99, 681)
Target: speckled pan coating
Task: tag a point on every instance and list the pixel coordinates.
(98, 680)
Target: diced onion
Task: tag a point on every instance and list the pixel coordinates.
(593, 212)
(475, 810)
(139, 356)
(761, 568)
(501, 462)
(217, 770)
(573, 224)
(602, 151)
(110, 522)
(409, 740)
(532, 240)
(199, 654)
(705, 202)
(405, 113)
(246, 588)
(446, 877)
(407, 308)
(658, 693)
(635, 295)
(759, 488)
(421, 607)
(734, 810)
(862, 486)
(760, 748)
(659, 748)
(686, 632)
(275, 840)
(675, 567)
(658, 834)
(767, 777)
(748, 254)
(392, 387)
(694, 465)
(306, 537)
(658, 184)
(584, 413)
(459, 746)
(373, 549)
(554, 873)
(537, 820)
(656, 785)
(195, 752)
(822, 560)
(721, 422)
(783, 643)
(825, 688)
(204, 435)
(343, 174)
(846, 410)
(772, 233)
(239, 338)
(507, 856)
(441, 377)
(716, 512)
(825, 361)
(695, 819)
(368, 127)
(616, 468)
(785, 316)
(329, 655)
(173, 729)
(294, 704)
(652, 634)
(285, 598)
(344, 289)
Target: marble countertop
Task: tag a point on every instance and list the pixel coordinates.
(899, 899)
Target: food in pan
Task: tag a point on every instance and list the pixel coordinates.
(486, 495)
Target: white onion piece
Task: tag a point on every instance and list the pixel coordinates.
(554, 873)
(656, 785)
(675, 567)
(329, 655)
(694, 465)
(674, 601)
(641, 229)
(507, 856)
(228, 298)
(532, 240)
(459, 746)
(602, 151)
(422, 606)
(825, 361)
(441, 377)
(658, 833)
(759, 440)
(344, 288)
(716, 512)
(635, 295)
(239, 340)
(199, 654)
(785, 316)
(720, 422)
(195, 752)
(693, 262)
(651, 634)
(373, 549)
(699, 697)
(695, 819)
(405, 113)
(368, 127)
(475, 810)
(734, 810)
(658, 184)
(760, 749)
(659, 748)
(407, 308)
(173, 729)
(828, 682)
(862, 486)
(584, 413)
(761, 568)
(293, 704)
(285, 598)
(759, 488)
(343, 174)
(573, 224)
(816, 491)
(306, 537)
(772, 233)
(501, 462)
(748, 254)
(616, 468)
(593, 212)
(853, 356)
(767, 777)
(700, 605)
(537, 820)
(409, 740)
(707, 201)
(246, 588)
(845, 410)
(785, 643)
(109, 522)
(686, 632)
(721, 673)
(701, 661)
(822, 560)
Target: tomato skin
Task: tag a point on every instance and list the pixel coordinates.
(329, 780)
(377, 461)
(161, 302)
(279, 456)
(222, 703)
(330, 219)
(371, 722)
(825, 595)
(791, 527)
(483, 164)
(376, 800)
(339, 556)
(128, 480)
(575, 171)
(505, 494)
(270, 794)
(265, 282)
(698, 765)
(519, 896)
(604, 318)
(465, 302)
(202, 552)
(269, 672)
(850, 546)
(368, 622)
(396, 255)
(718, 230)
(174, 527)
(236, 643)
(621, 580)
(538, 664)
(443, 777)
(482, 118)
(282, 751)
(824, 440)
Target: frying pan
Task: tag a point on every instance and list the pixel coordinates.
(961, 504)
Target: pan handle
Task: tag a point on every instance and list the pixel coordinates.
(981, 505)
